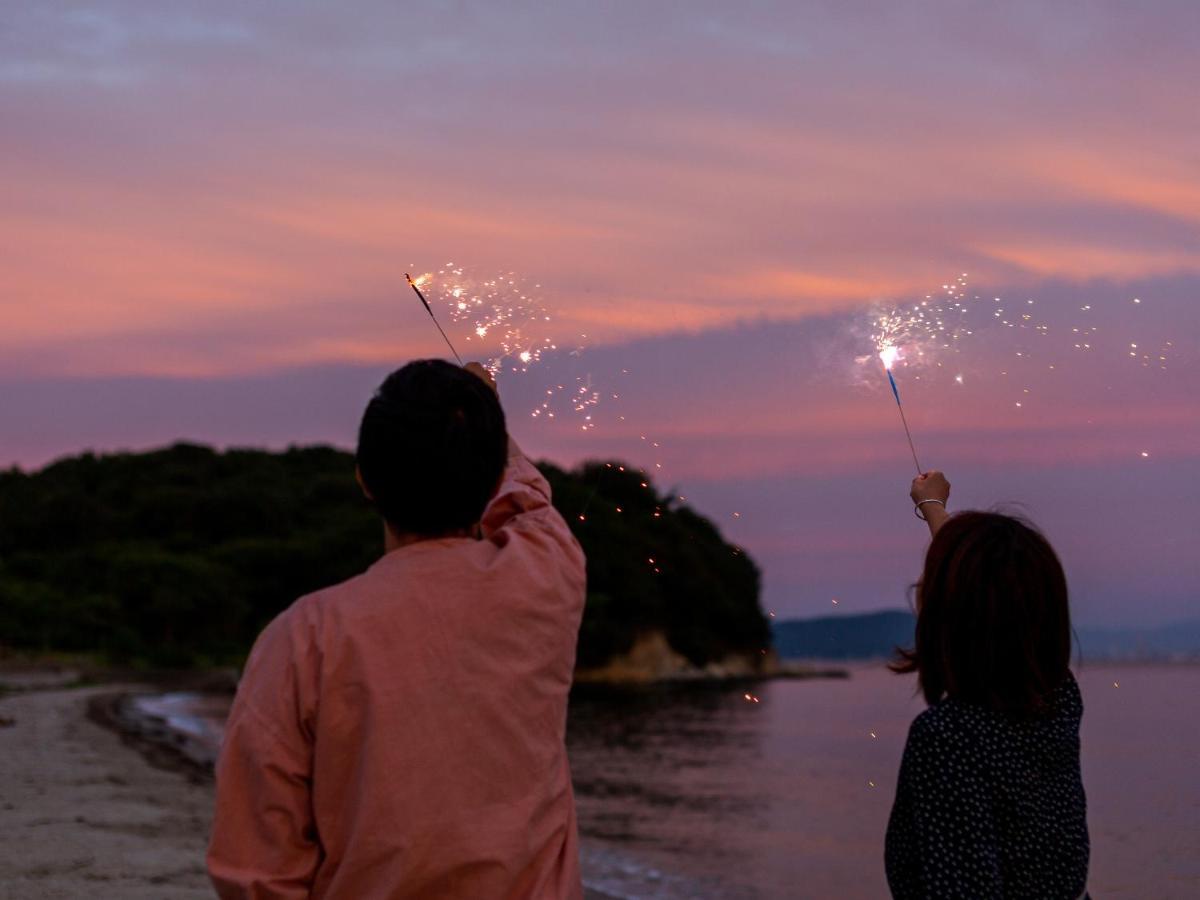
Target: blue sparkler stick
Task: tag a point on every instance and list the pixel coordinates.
(903, 418)
(895, 390)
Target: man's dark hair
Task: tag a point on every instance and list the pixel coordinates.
(432, 447)
(993, 624)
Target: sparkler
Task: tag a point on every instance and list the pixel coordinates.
(888, 356)
(503, 312)
(429, 309)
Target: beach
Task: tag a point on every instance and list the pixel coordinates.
(83, 814)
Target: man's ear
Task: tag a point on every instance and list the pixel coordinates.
(362, 484)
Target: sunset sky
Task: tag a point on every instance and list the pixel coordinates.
(208, 209)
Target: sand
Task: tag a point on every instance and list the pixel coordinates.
(84, 815)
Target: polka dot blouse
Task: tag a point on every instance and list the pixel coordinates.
(990, 807)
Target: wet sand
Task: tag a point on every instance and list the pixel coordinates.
(84, 815)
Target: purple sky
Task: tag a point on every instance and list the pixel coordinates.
(209, 207)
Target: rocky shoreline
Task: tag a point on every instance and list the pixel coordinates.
(651, 660)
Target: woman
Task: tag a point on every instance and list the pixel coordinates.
(989, 803)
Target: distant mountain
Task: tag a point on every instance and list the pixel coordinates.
(876, 635)
(869, 636)
(1177, 641)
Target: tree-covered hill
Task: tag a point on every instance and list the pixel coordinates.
(179, 556)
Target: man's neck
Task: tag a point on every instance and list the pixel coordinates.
(394, 540)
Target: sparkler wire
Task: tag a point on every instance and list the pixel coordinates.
(429, 309)
(904, 421)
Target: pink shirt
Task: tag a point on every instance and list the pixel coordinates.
(402, 734)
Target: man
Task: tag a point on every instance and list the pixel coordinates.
(402, 734)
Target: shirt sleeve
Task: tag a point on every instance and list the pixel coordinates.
(523, 491)
(264, 844)
(941, 840)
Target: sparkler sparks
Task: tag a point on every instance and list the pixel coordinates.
(503, 311)
(934, 323)
(959, 335)
(508, 318)
(946, 329)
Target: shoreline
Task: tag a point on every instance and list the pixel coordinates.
(651, 660)
(149, 737)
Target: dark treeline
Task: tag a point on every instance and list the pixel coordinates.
(179, 556)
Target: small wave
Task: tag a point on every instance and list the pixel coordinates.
(614, 875)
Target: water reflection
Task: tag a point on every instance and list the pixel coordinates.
(655, 765)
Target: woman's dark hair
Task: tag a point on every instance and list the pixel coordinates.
(993, 626)
(432, 447)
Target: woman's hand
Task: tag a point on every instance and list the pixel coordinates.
(930, 492)
(930, 486)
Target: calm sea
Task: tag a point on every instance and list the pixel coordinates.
(707, 794)
(701, 792)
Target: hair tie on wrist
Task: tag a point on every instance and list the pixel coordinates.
(917, 509)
